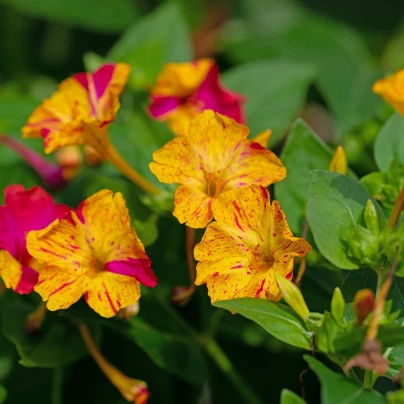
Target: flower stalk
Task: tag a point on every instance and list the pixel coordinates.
(35, 319)
(134, 391)
(182, 294)
(52, 174)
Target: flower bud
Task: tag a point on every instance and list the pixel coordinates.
(364, 303)
(371, 218)
(293, 296)
(339, 162)
(338, 305)
(363, 245)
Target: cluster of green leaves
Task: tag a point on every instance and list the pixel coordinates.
(280, 56)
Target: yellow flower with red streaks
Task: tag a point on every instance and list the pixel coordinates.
(248, 243)
(183, 90)
(391, 89)
(81, 101)
(92, 251)
(213, 158)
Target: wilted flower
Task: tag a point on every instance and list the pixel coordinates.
(213, 158)
(248, 243)
(95, 252)
(24, 210)
(81, 101)
(183, 90)
(391, 89)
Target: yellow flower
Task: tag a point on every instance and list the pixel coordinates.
(392, 90)
(339, 162)
(248, 243)
(92, 251)
(183, 90)
(82, 100)
(213, 158)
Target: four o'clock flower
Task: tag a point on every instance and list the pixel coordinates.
(92, 251)
(24, 210)
(183, 90)
(248, 243)
(80, 112)
(392, 90)
(81, 100)
(214, 158)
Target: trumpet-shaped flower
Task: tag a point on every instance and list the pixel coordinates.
(183, 90)
(213, 158)
(82, 100)
(92, 251)
(391, 89)
(248, 243)
(24, 210)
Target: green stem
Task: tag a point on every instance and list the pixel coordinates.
(57, 385)
(368, 379)
(224, 364)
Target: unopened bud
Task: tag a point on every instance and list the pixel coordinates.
(364, 303)
(339, 162)
(338, 305)
(370, 216)
(293, 296)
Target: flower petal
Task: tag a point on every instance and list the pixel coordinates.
(254, 165)
(62, 244)
(245, 212)
(181, 79)
(107, 223)
(211, 95)
(263, 138)
(176, 163)
(192, 207)
(10, 269)
(109, 292)
(216, 140)
(392, 90)
(61, 287)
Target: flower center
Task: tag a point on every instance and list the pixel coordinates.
(262, 260)
(214, 186)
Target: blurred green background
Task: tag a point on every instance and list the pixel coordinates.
(317, 59)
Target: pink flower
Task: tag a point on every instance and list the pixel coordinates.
(184, 90)
(24, 210)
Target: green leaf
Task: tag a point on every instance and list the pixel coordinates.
(303, 152)
(337, 389)
(363, 278)
(147, 230)
(275, 104)
(97, 15)
(3, 394)
(389, 143)
(177, 354)
(336, 202)
(157, 38)
(345, 70)
(276, 318)
(59, 341)
(289, 397)
(17, 173)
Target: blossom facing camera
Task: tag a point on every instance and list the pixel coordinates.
(81, 101)
(391, 89)
(183, 90)
(245, 247)
(216, 156)
(23, 211)
(95, 252)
